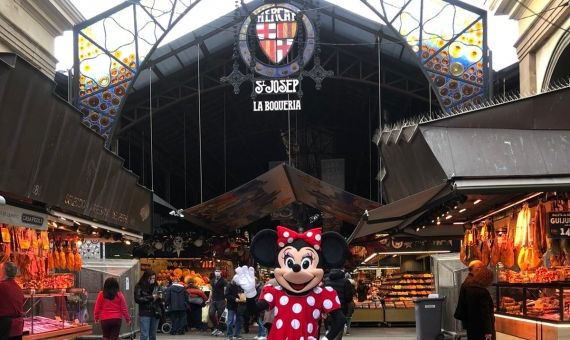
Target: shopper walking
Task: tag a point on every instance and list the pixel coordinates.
(475, 305)
(12, 306)
(177, 304)
(337, 280)
(234, 319)
(197, 299)
(146, 296)
(217, 301)
(350, 302)
(110, 309)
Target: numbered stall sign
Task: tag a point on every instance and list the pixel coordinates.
(559, 223)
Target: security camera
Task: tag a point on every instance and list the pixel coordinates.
(2, 200)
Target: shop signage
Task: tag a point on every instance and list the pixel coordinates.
(275, 42)
(22, 217)
(559, 223)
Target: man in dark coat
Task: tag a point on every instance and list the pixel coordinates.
(338, 281)
(475, 305)
(177, 304)
(217, 301)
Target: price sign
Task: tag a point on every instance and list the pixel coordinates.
(559, 224)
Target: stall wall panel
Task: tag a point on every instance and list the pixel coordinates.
(49, 156)
(500, 152)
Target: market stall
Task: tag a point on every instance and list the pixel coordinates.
(48, 261)
(528, 245)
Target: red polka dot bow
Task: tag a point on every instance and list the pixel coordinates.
(286, 236)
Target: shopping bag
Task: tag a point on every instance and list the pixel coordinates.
(224, 316)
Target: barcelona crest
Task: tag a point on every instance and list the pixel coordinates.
(276, 27)
(277, 34)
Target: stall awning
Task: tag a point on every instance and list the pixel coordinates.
(503, 142)
(397, 213)
(500, 152)
(273, 191)
(48, 155)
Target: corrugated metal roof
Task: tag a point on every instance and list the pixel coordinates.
(219, 35)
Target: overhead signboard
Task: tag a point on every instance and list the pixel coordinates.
(276, 42)
(22, 217)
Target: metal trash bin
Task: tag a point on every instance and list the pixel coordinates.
(428, 317)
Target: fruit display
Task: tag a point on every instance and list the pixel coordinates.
(169, 274)
(198, 270)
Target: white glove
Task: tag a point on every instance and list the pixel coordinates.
(324, 338)
(245, 277)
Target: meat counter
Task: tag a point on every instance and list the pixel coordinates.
(55, 314)
(533, 310)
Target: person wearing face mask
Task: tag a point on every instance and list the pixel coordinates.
(146, 296)
(217, 301)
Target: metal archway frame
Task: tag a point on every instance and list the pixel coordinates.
(101, 99)
(116, 91)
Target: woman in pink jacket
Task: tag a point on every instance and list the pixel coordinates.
(110, 309)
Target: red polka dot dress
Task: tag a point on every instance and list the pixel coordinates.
(297, 317)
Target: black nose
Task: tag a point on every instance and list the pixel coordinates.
(296, 268)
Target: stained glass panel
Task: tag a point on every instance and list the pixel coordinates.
(110, 52)
(450, 43)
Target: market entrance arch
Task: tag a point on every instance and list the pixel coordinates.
(116, 48)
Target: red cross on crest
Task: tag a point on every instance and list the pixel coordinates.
(276, 37)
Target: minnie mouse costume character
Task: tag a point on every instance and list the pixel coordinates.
(298, 301)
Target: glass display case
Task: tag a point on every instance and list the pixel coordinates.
(55, 313)
(93, 276)
(549, 302)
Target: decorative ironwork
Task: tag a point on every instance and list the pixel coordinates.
(236, 78)
(318, 73)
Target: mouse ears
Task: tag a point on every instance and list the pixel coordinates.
(334, 250)
(264, 248)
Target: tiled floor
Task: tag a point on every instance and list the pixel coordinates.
(357, 333)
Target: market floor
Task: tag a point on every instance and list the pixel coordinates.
(356, 333)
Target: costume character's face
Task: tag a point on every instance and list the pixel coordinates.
(299, 258)
(297, 269)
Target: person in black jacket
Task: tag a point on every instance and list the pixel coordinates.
(475, 305)
(177, 304)
(235, 319)
(146, 296)
(217, 301)
(337, 280)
